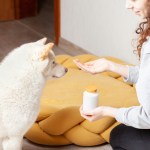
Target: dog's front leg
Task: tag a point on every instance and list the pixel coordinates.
(12, 143)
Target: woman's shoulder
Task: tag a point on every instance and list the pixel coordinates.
(146, 46)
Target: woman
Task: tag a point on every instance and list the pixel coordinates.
(134, 131)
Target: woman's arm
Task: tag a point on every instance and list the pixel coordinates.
(101, 65)
(134, 116)
(130, 73)
(123, 70)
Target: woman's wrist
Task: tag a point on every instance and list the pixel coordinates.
(118, 68)
(111, 66)
(108, 65)
(109, 111)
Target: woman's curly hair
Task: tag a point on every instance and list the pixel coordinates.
(144, 31)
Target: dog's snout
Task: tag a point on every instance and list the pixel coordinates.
(66, 70)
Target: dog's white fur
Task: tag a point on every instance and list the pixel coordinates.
(22, 78)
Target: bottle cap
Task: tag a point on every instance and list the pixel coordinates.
(91, 89)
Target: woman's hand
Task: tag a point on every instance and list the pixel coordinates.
(92, 115)
(98, 113)
(101, 65)
(95, 66)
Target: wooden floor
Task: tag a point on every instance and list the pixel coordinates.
(15, 33)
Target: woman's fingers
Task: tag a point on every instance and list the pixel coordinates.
(77, 62)
(88, 117)
(90, 63)
(85, 67)
(81, 109)
(88, 113)
(80, 65)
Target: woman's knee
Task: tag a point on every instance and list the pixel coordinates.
(115, 135)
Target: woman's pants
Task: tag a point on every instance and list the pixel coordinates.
(124, 137)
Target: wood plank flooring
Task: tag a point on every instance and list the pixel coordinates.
(15, 33)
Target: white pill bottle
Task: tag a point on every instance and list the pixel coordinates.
(90, 98)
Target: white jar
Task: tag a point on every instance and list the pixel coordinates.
(90, 98)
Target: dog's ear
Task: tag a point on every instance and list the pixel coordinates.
(43, 54)
(42, 41)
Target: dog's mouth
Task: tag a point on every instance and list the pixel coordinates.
(59, 75)
(55, 77)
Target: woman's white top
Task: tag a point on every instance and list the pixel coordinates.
(138, 116)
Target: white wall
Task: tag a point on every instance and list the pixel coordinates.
(102, 27)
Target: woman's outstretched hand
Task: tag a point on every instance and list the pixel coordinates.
(93, 67)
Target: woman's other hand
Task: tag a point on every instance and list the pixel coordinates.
(98, 113)
(92, 115)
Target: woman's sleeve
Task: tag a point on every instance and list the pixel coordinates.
(133, 74)
(134, 116)
(139, 116)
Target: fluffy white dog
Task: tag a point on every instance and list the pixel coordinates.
(23, 74)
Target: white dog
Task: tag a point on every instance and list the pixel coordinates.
(23, 74)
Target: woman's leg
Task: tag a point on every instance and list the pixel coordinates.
(125, 137)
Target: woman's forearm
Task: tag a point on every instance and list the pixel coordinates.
(118, 68)
(109, 111)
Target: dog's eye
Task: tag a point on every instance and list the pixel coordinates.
(53, 62)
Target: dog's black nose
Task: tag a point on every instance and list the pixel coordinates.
(66, 70)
